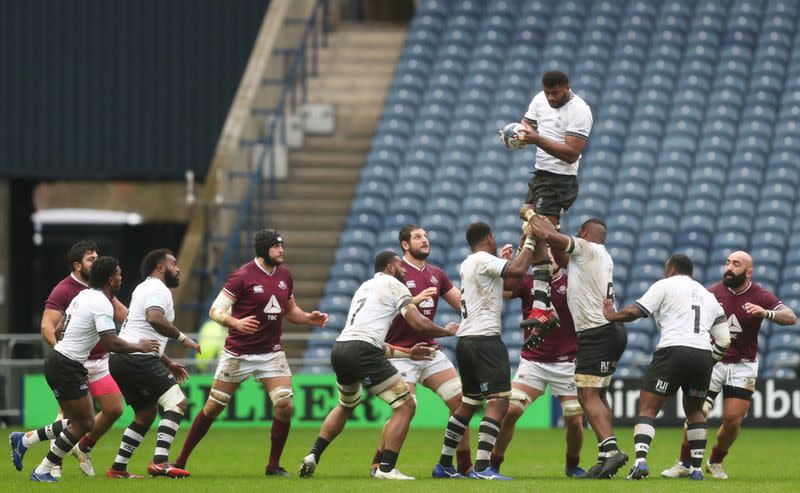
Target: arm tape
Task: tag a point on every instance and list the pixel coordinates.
(395, 352)
(220, 307)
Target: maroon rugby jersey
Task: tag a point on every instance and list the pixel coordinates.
(561, 343)
(256, 292)
(60, 298)
(418, 280)
(744, 327)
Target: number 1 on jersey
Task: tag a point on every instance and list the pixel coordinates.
(696, 309)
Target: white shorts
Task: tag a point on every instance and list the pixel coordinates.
(742, 375)
(560, 376)
(97, 368)
(419, 371)
(237, 369)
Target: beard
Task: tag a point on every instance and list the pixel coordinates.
(732, 280)
(273, 261)
(419, 254)
(171, 280)
(84, 273)
(400, 277)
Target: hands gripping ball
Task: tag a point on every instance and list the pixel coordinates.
(511, 136)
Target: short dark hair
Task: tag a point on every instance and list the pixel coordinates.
(682, 264)
(152, 259)
(264, 240)
(594, 220)
(405, 233)
(102, 269)
(477, 232)
(554, 78)
(79, 249)
(383, 259)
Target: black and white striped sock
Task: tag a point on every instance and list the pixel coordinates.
(487, 436)
(49, 432)
(643, 433)
(542, 275)
(131, 438)
(456, 427)
(609, 446)
(167, 428)
(697, 435)
(60, 447)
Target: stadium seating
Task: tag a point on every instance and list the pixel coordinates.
(694, 149)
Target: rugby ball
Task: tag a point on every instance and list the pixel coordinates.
(508, 136)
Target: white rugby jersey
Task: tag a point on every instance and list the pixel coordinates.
(481, 295)
(591, 280)
(684, 312)
(88, 315)
(574, 118)
(152, 293)
(373, 308)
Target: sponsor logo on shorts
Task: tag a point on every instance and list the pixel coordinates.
(484, 386)
(366, 381)
(258, 288)
(571, 386)
(86, 386)
(604, 366)
(662, 386)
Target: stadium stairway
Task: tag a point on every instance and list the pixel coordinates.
(311, 208)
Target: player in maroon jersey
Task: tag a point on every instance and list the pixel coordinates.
(427, 284)
(746, 304)
(259, 295)
(102, 387)
(550, 363)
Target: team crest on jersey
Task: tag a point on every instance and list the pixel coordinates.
(258, 288)
(281, 285)
(434, 281)
(411, 284)
(562, 289)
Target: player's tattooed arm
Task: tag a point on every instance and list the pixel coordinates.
(627, 314)
(782, 315)
(296, 315)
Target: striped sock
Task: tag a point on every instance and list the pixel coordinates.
(487, 436)
(542, 275)
(456, 426)
(697, 434)
(609, 446)
(643, 433)
(61, 447)
(49, 432)
(131, 438)
(167, 428)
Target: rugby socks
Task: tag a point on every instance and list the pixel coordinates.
(319, 446)
(464, 461)
(643, 433)
(376, 459)
(495, 460)
(61, 447)
(608, 447)
(696, 434)
(487, 436)
(717, 454)
(200, 427)
(131, 438)
(542, 275)
(167, 428)
(49, 432)
(278, 436)
(686, 455)
(388, 460)
(86, 444)
(456, 426)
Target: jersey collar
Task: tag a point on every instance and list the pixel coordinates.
(559, 276)
(424, 264)
(265, 271)
(742, 291)
(72, 274)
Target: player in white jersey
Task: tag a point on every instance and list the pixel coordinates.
(482, 356)
(89, 318)
(558, 122)
(145, 382)
(359, 357)
(685, 313)
(600, 342)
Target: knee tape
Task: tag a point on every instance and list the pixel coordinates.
(349, 395)
(520, 398)
(171, 399)
(449, 389)
(219, 397)
(594, 381)
(499, 395)
(396, 394)
(280, 394)
(571, 408)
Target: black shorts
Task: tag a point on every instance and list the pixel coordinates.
(552, 194)
(599, 349)
(483, 366)
(681, 367)
(355, 361)
(67, 377)
(141, 378)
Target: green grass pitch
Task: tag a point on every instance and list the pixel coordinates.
(233, 461)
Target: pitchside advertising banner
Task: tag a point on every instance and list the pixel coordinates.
(314, 397)
(775, 403)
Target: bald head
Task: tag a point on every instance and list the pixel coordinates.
(593, 230)
(737, 273)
